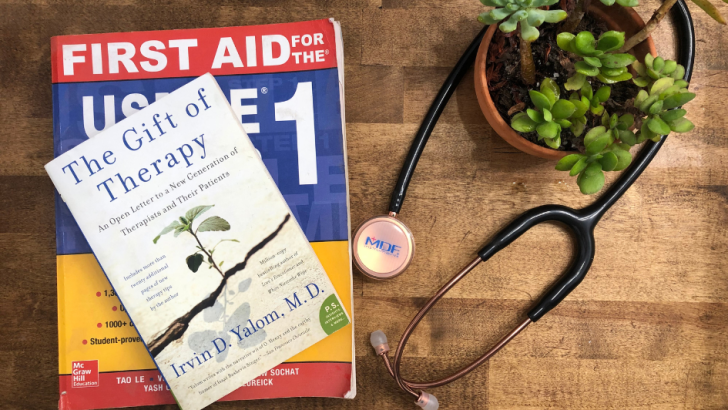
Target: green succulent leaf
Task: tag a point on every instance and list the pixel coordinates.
(613, 72)
(522, 123)
(585, 44)
(564, 123)
(617, 60)
(534, 115)
(548, 130)
(613, 80)
(593, 168)
(624, 158)
(539, 100)
(581, 108)
(549, 84)
(628, 137)
(677, 100)
(584, 68)
(661, 85)
(628, 3)
(672, 115)
(568, 162)
(547, 115)
(641, 81)
(609, 161)
(575, 82)
(626, 121)
(639, 68)
(554, 143)
(590, 184)
(658, 126)
(578, 125)
(681, 125)
(658, 64)
(563, 109)
(598, 144)
(646, 104)
(554, 16)
(564, 41)
(603, 93)
(655, 108)
(679, 72)
(607, 2)
(578, 166)
(593, 134)
(593, 61)
(610, 41)
(528, 32)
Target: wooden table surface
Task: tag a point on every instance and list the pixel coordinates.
(648, 327)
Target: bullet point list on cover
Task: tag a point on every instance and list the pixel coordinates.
(98, 325)
(113, 308)
(98, 294)
(84, 341)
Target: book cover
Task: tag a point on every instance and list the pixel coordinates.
(102, 362)
(165, 198)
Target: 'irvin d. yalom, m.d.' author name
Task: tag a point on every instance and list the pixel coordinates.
(242, 331)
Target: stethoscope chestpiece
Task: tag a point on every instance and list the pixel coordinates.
(383, 247)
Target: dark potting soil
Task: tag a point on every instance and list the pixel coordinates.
(510, 94)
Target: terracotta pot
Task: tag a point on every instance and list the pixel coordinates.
(616, 17)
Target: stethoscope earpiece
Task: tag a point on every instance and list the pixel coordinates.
(383, 247)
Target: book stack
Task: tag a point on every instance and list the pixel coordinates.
(172, 207)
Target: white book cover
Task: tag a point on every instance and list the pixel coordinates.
(179, 209)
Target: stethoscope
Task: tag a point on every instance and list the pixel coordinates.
(383, 246)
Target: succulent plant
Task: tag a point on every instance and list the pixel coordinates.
(602, 153)
(609, 68)
(660, 104)
(526, 12)
(620, 127)
(553, 115)
(593, 99)
(655, 68)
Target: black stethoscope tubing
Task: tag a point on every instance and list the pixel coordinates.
(582, 221)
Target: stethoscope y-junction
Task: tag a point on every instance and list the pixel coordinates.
(386, 235)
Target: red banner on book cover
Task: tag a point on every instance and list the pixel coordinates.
(272, 48)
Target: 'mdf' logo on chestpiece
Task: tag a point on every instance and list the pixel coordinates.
(382, 246)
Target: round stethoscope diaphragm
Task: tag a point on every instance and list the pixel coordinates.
(383, 247)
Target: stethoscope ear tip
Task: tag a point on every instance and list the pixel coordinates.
(379, 342)
(427, 401)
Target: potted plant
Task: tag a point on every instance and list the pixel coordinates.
(584, 91)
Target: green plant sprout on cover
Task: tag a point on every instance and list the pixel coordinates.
(553, 114)
(184, 224)
(597, 60)
(527, 14)
(664, 95)
(655, 68)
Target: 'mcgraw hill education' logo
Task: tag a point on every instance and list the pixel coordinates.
(382, 246)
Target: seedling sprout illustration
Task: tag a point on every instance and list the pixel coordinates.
(202, 254)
